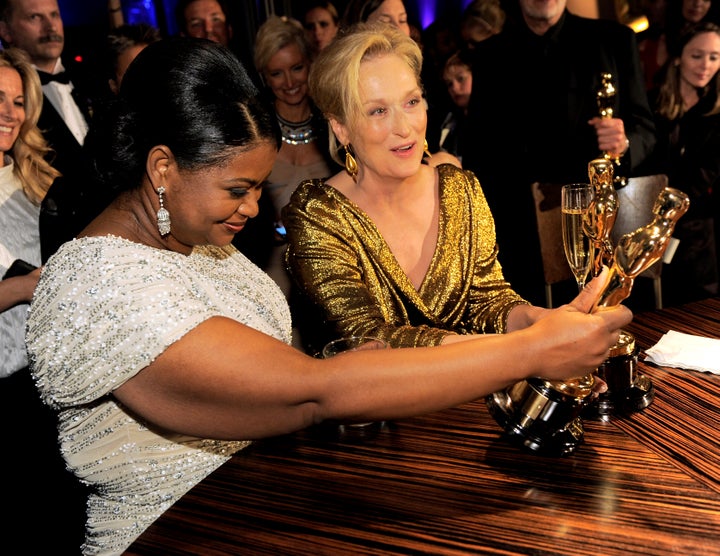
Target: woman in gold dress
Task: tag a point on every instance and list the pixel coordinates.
(391, 247)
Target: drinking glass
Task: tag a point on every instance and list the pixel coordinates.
(575, 201)
(352, 343)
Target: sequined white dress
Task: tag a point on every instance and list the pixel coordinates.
(104, 309)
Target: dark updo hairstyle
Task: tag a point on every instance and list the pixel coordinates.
(192, 95)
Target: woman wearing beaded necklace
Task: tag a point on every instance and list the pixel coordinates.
(282, 58)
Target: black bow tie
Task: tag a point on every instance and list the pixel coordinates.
(46, 77)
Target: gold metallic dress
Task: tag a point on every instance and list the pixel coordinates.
(343, 267)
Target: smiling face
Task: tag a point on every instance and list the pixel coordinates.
(700, 60)
(12, 108)
(287, 74)
(320, 28)
(37, 28)
(209, 206)
(388, 136)
(393, 13)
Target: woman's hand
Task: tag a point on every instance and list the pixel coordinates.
(572, 341)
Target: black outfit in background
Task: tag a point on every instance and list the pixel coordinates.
(688, 151)
(527, 121)
(75, 198)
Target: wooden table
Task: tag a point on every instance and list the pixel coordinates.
(449, 483)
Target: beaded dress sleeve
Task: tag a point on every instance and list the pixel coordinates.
(103, 310)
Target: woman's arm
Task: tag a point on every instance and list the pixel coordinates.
(225, 380)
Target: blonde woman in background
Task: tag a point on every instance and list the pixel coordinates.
(25, 178)
(282, 58)
(43, 492)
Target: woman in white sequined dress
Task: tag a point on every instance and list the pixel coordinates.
(164, 350)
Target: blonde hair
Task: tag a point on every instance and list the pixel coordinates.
(274, 35)
(30, 148)
(334, 80)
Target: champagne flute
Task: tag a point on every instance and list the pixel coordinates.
(353, 343)
(575, 200)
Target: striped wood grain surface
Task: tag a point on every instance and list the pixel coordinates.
(448, 483)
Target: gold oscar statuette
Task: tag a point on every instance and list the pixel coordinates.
(605, 98)
(545, 416)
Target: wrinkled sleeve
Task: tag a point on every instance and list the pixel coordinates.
(334, 272)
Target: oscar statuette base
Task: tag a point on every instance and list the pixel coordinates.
(540, 417)
(627, 391)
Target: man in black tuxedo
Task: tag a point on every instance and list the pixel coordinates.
(533, 116)
(36, 26)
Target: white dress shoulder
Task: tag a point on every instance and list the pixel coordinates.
(104, 309)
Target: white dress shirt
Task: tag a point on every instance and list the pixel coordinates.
(60, 96)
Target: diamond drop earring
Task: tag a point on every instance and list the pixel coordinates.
(163, 216)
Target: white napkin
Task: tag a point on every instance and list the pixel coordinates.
(686, 351)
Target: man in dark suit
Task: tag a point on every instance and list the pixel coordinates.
(533, 116)
(36, 26)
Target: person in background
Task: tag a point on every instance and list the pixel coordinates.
(116, 18)
(440, 40)
(213, 20)
(654, 50)
(480, 20)
(174, 354)
(457, 76)
(535, 118)
(321, 21)
(391, 247)
(687, 108)
(392, 12)
(651, 41)
(205, 19)
(123, 44)
(283, 58)
(35, 468)
(25, 177)
(36, 26)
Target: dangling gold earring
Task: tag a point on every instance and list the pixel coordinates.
(163, 216)
(351, 165)
(426, 148)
